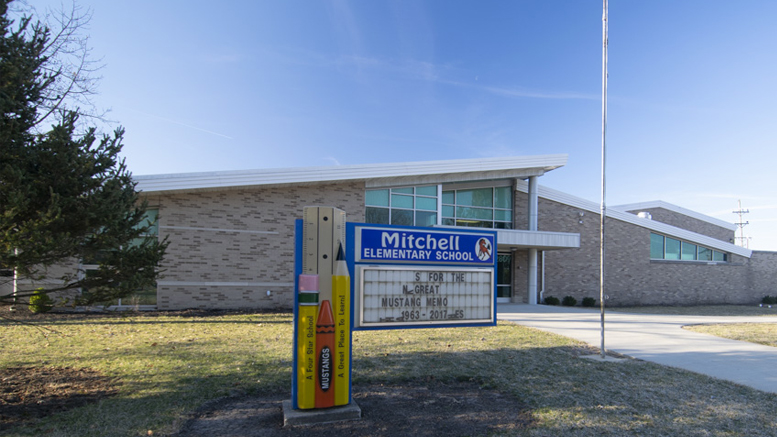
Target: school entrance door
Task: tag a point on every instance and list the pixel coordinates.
(504, 277)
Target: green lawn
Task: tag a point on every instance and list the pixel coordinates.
(170, 365)
(761, 333)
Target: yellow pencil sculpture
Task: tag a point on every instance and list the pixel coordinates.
(341, 294)
(306, 341)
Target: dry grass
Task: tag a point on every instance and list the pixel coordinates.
(169, 366)
(761, 333)
(701, 310)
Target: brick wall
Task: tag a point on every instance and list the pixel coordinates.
(694, 225)
(762, 277)
(228, 248)
(631, 277)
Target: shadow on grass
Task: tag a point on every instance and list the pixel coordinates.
(550, 389)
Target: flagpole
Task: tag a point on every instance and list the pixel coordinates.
(603, 211)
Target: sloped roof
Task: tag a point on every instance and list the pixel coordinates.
(641, 206)
(462, 169)
(662, 228)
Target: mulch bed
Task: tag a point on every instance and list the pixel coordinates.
(431, 409)
(33, 392)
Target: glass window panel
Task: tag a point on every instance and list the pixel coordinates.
(448, 222)
(504, 267)
(150, 221)
(503, 225)
(447, 211)
(401, 217)
(688, 251)
(705, 254)
(503, 291)
(719, 256)
(656, 246)
(672, 248)
(399, 201)
(423, 218)
(426, 203)
(379, 216)
(474, 223)
(474, 213)
(448, 197)
(477, 197)
(377, 198)
(431, 190)
(408, 190)
(503, 215)
(503, 198)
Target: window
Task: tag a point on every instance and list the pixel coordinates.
(656, 246)
(668, 248)
(409, 206)
(490, 207)
(140, 297)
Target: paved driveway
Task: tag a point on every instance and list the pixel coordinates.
(660, 339)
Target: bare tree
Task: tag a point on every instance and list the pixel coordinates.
(68, 62)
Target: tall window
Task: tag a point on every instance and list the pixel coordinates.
(409, 206)
(662, 247)
(490, 207)
(145, 296)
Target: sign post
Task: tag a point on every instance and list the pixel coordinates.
(322, 312)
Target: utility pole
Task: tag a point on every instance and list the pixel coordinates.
(741, 239)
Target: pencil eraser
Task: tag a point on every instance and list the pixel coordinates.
(308, 282)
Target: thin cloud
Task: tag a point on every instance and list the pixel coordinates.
(524, 93)
(333, 159)
(181, 124)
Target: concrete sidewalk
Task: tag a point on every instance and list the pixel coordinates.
(660, 339)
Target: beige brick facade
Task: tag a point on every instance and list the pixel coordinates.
(228, 248)
(632, 278)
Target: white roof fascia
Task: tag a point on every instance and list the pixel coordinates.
(662, 228)
(501, 167)
(542, 240)
(678, 209)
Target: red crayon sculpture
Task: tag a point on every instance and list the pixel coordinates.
(325, 344)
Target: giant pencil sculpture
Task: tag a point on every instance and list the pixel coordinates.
(306, 341)
(341, 293)
(325, 344)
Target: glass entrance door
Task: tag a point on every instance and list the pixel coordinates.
(504, 277)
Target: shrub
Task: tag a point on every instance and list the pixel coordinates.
(589, 302)
(550, 300)
(40, 302)
(569, 301)
(769, 300)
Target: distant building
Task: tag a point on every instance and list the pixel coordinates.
(232, 233)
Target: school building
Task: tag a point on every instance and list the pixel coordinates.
(232, 233)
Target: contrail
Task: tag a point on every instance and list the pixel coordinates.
(182, 124)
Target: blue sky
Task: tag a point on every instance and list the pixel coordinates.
(201, 86)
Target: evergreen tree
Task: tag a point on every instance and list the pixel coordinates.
(65, 197)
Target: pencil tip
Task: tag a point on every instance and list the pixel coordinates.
(340, 253)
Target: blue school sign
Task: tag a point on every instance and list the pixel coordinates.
(401, 245)
(413, 277)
